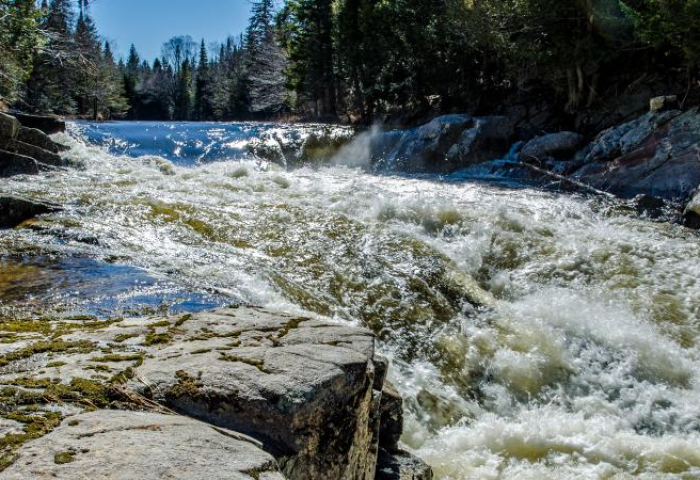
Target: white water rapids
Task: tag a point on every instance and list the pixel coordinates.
(583, 363)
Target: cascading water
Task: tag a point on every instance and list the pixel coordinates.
(534, 335)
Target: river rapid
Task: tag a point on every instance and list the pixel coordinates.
(534, 335)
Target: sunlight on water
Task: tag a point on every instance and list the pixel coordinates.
(533, 335)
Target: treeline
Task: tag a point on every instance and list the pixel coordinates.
(353, 59)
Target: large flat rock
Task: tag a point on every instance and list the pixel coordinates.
(112, 444)
(302, 387)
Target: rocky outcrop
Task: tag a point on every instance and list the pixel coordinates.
(12, 164)
(487, 139)
(9, 127)
(657, 154)
(302, 387)
(425, 148)
(111, 444)
(46, 123)
(28, 142)
(33, 136)
(15, 210)
(561, 145)
(310, 393)
(393, 463)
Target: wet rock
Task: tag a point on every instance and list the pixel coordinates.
(9, 127)
(425, 148)
(112, 444)
(15, 209)
(561, 145)
(46, 123)
(37, 153)
(12, 164)
(691, 215)
(657, 155)
(488, 139)
(401, 466)
(302, 387)
(39, 139)
(382, 143)
(391, 425)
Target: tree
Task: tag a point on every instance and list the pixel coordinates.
(20, 39)
(265, 62)
(183, 92)
(177, 50)
(203, 87)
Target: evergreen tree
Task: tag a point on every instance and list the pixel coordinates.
(183, 92)
(203, 90)
(20, 39)
(266, 62)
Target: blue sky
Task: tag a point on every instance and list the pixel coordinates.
(149, 23)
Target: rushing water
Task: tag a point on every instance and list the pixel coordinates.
(534, 335)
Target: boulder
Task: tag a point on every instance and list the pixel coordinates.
(657, 155)
(425, 148)
(401, 466)
(112, 444)
(9, 127)
(46, 123)
(37, 153)
(561, 145)
(691, 215)
(12, 164)
(15, 209)
(303, 388)
(489, 138)
(623, 139)
(39, 139)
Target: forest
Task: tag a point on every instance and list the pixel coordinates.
(353, 60)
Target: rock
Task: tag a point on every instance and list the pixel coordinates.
(425, 148)
(657, 155)
(111, 444)
(391, 425)
(382, 144)
(9, 127)
(658, 104)
(37, 153)
(39, 139)
(401, 466)
(46, 123)
(12, 164)
(623, 139)
(691, 215)
(488, 139)
(302, 387)
(561, 145)
(14, 210)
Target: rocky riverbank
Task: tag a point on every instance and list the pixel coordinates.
(238, 392)
(653, 160)
(26, 149)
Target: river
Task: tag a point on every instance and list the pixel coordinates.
(534, 335)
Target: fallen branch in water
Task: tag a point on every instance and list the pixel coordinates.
(565, 179)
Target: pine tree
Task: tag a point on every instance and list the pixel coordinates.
(183, 93)
(202, 96)
(19, 42)
(266, 62)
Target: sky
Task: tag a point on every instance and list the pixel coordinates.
(150, 23)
